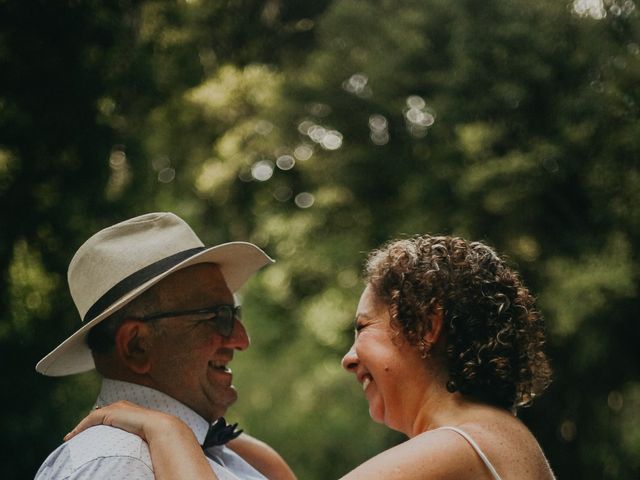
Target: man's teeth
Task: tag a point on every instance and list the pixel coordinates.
(221, 366)
(365, 382)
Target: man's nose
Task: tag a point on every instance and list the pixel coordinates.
(239, 339)
(350, 360)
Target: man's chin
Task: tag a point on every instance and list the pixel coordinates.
(221, 402)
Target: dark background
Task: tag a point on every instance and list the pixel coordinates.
(511, 121)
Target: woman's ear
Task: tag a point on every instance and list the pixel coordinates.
(433, 335)
(133, 346)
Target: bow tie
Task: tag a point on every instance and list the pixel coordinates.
(220, 433)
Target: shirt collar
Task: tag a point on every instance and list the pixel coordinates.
(114, 390)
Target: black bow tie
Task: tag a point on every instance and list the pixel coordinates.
(220, 433)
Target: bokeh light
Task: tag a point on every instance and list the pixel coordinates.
(304, 200)
(379, 129)
(303, 152)
(419, 117)
(327, 138)
(262, 170)
(282, 193)
(166, 175)
(285, 162)
(358, 84)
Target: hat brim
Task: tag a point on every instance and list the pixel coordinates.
(237, 262)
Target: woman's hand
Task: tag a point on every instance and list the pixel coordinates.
(144, 422)
(164, 433)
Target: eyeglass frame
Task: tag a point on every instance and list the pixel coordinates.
(227, 328)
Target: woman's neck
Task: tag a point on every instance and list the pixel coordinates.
(439, 408)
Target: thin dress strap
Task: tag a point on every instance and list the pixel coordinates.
(477, 448)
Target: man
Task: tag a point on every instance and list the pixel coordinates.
(161, 327)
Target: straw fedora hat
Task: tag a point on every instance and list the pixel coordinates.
(122, 261)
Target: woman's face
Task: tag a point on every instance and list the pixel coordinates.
(389, 370)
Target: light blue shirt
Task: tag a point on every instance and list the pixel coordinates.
(104, 452)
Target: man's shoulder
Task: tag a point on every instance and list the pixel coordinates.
(103, 441)
(97, 449)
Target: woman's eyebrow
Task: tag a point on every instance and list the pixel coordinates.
(358, 316)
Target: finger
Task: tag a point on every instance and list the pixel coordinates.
(96, 417)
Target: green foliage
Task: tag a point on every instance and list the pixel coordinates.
(320, 130)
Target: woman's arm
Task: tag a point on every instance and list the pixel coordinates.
(165, 435)
(262, 457)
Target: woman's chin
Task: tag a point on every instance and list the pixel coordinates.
(376, 413)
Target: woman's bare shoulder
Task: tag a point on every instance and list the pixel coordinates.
(433, 454)
(509, 446)
(445, 454)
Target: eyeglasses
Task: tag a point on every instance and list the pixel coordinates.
(224, 317)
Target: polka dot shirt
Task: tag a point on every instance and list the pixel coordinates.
(104, 452)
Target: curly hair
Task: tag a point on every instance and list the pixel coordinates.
(494, 334)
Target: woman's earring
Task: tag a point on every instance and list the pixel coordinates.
(425, 348)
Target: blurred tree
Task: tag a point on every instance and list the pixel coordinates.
(504, 121)
(82, 85)
(54, 155)
(320, 130)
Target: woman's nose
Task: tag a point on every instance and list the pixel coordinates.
(350, 360)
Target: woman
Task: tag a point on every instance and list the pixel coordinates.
(448, 345)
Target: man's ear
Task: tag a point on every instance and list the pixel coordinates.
(133, 346)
